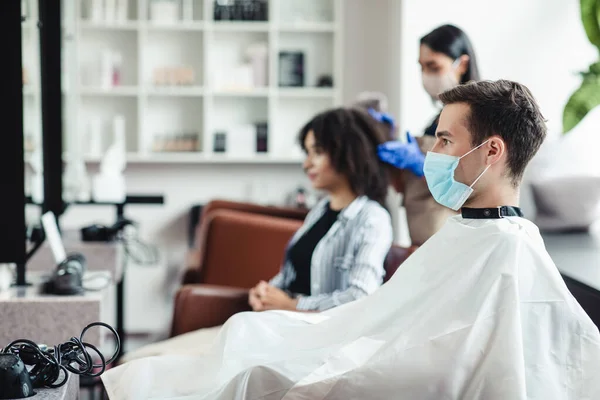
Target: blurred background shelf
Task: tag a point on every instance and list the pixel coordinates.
(117, 26)
(307, 93)
(228, 26)
(181, 74)
(200, 158)
(111, 91)
(250, 92)
(307, 27)
(192, 91)
(180, 26)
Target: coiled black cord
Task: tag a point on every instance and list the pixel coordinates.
(72, 356)
(136, 250)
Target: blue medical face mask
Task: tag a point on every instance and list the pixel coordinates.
(439, 173)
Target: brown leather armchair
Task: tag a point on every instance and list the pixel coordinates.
(238, 249)
(211, 221)
(205, 306)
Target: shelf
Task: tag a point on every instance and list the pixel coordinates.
(179, 26)
(306, 93)
(251, 92)
(307, 27)
(112, 26)
(200, 158)
(113, 91)
(223, 95)
(254, 159)
(227, 26)
(175, 91)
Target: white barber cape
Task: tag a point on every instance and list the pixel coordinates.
(478, 312)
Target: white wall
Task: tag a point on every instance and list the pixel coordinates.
(372, 49)
(540, 43)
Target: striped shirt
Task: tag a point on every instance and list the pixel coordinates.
(347, 263)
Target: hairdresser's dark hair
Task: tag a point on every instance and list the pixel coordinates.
(503, 108)
(350, 137)
(453, 42)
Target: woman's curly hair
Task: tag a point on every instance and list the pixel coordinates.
(350, 136)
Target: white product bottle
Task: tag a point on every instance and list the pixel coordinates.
(110, 11)
(117, 69)
(96, 10)
(122, 10)
(37, 177)
(109, 184)
(257, 54)
(75, 180)
(70, 181)
(95, 137)
(188, 10)
(106, 69)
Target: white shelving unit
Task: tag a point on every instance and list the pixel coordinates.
(211, 102)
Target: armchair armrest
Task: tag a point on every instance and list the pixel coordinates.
(204, 306)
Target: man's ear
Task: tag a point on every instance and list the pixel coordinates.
(495, 149)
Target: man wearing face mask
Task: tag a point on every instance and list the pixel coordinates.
(447, 59)
(479, 311)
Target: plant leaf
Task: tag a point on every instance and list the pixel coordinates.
(586, 98)
(590, 16)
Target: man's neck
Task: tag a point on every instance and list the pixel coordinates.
(498, 196)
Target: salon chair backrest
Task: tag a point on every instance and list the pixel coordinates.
(395, 257)
(240, 249)
(281, 212)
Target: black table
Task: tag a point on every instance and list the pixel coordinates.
(577, 256)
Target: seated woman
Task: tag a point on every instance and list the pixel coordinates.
(337, 256)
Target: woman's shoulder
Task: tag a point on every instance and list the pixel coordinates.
(373, 211)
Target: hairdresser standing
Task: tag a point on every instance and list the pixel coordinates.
(447, 59)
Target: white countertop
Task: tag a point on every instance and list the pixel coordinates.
(27, 313)
(577, 255)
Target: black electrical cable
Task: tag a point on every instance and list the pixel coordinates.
(72, 356)
(141, 253)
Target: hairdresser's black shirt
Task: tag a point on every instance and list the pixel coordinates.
(300, 254)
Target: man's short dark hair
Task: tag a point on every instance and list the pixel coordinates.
(503, 108)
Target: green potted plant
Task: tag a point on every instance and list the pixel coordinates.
(587, 97)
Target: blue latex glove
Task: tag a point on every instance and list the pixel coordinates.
(382, 117)
(403, 155)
